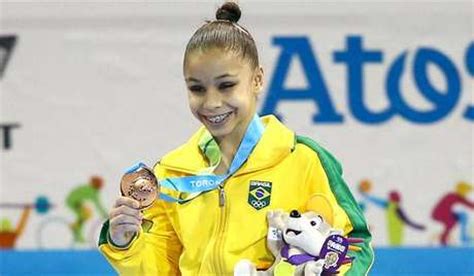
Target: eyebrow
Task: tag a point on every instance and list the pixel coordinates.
(216, 78)
(224, 76)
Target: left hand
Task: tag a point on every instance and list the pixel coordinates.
(314, 268)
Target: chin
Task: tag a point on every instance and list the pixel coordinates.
(219, 132)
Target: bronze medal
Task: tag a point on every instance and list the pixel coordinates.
(141, 185)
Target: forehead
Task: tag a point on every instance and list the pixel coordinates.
(214, 61)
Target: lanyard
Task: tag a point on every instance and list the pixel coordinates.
(198, 184)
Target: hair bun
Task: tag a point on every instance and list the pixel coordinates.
(229, 11)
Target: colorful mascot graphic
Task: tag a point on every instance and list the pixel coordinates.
(9, 235)
(445, 212)
(395, 215)
(76, 201)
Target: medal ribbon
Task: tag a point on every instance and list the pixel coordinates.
(198, 184)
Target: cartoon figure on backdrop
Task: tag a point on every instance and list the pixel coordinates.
(365, 186)
(396, 217)
(76, 201)
(444, 212)
(8, 235)
(467, 226)
(216, 188)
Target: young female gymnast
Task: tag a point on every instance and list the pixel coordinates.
(239, 166)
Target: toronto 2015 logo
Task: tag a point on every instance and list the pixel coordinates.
(355, 57)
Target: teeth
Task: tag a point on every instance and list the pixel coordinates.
(219, 118)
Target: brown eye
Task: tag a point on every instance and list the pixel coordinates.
(226, 85)
(196, 89)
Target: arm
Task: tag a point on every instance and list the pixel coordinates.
(155, 252)
(99, 207)
(24, 218)
(405, 219)
(466, 202)
(326, 176)
(375, 200)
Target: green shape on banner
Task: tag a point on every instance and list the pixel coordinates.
(395, 225)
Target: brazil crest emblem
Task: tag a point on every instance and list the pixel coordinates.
(259, 194)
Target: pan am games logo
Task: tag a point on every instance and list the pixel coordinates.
(259, 194)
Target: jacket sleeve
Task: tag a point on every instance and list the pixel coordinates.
(325, 175)
(154, 251)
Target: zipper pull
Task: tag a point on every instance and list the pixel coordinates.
(221, 196)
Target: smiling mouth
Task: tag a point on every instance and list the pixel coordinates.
(296, 232)
(217, 119)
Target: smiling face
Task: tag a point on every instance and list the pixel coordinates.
(222, 91)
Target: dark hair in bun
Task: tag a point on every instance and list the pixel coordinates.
(224, 33)
(229, 11)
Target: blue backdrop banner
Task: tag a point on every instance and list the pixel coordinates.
(388, 261)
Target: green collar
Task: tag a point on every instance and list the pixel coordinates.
(210, 149)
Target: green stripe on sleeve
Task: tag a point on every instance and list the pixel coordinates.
(364, 258)
(103, 233)
(104, 237)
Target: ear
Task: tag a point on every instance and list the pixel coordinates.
(257, 82)
(320, 204)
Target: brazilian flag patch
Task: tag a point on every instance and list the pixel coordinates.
(259, 194)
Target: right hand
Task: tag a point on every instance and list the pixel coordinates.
(276, 218)
(125, 220)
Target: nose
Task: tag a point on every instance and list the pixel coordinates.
(295, 214)
(213, 100)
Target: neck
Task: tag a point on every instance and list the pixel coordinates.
(228, 146)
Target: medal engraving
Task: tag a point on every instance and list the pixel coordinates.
(140, 183)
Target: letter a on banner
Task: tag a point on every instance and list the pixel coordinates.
(299, 47)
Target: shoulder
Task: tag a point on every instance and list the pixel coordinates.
(312, 149)
(186, 157)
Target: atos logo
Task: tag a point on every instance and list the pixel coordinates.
(354, 57)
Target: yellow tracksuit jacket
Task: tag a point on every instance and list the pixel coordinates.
(202, 238)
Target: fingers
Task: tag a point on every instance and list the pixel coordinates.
(125, 210)
(314, 268)
(274, 213)
(129, 228)
(270, 214)
(130, 202)
(124, 219)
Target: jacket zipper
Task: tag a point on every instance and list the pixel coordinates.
(218, 248)
(221, 196)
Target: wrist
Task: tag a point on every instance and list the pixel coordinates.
(121, 244)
